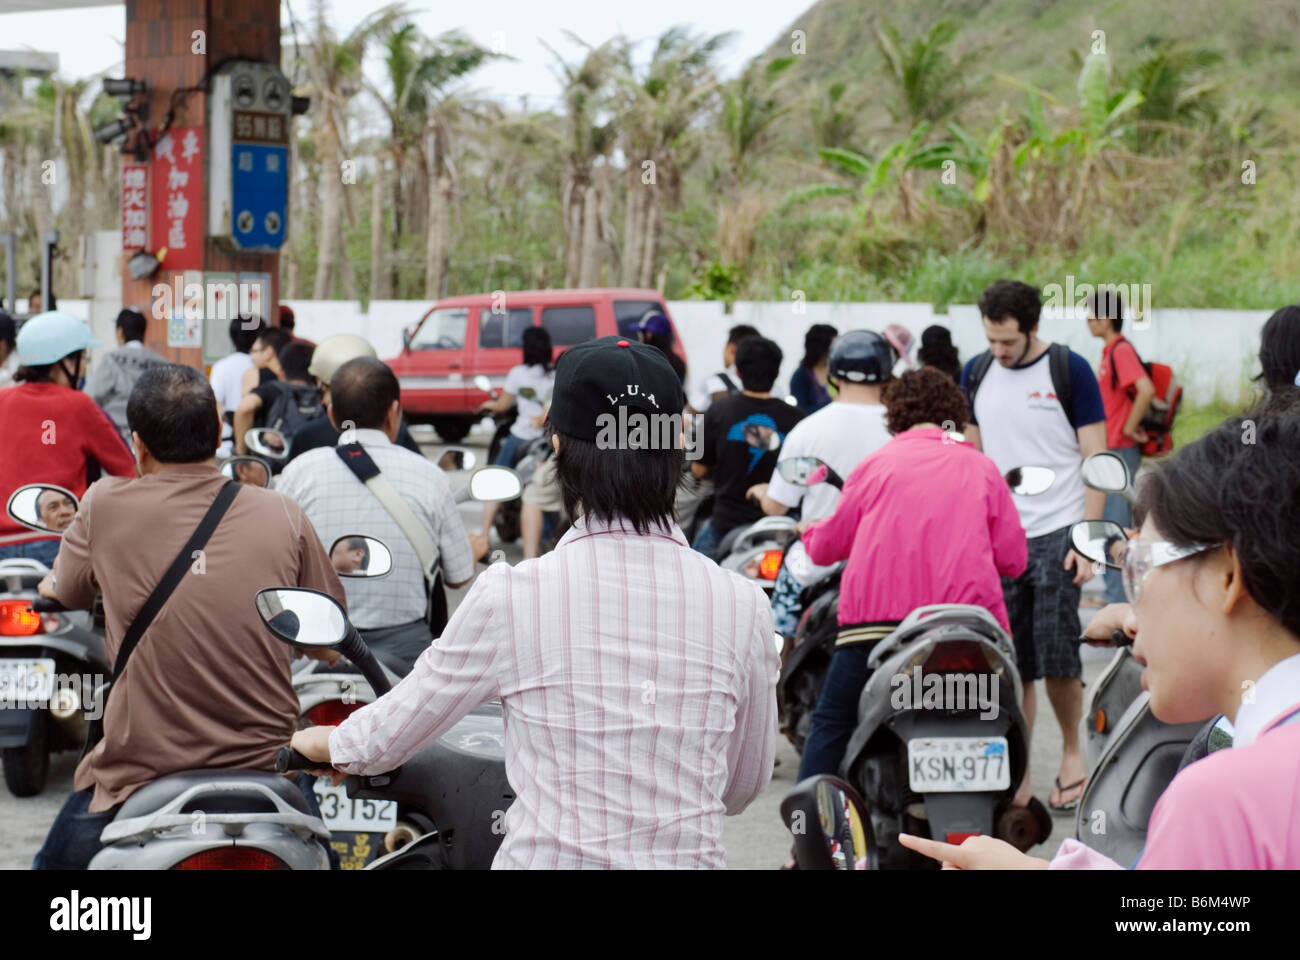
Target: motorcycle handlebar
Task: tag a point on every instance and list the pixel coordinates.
(288, 759)
(46, 605)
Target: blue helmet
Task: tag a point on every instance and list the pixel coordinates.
(49, 337)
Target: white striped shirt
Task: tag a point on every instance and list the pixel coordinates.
(637, 680)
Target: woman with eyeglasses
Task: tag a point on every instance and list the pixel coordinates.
(1213, 579)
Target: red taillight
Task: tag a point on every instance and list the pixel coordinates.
(232, 858)
(18, 619)
(331, 713)
(956, 839)
(957, 656)
(770, 565)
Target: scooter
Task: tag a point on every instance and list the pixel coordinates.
(457, 784)
(1132, 756)
(757, 550)
(52, 663)
(804, 670)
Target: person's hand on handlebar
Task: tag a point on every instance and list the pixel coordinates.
(314, 743)
(46, 587)
(1116, 617)
(329, 656)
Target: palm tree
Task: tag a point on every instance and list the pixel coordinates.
(929, 83)
(656, 115)
(334, 72)
(587, 100)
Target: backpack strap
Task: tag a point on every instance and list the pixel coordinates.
(1058, 360)
(1114, 372)
(161, 593)
(728, 383)
(977, 372)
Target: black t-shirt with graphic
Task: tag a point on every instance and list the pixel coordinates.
(737, 463)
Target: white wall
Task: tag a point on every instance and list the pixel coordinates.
(1213, 352)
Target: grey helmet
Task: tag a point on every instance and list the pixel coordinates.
(861, 356)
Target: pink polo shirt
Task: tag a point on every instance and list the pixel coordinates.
(923, 520)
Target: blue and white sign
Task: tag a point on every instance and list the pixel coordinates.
(260, 195)
(250, 124)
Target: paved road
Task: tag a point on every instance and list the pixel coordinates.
(754, 840)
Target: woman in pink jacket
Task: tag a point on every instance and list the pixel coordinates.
(1215, 612)
(925, 519)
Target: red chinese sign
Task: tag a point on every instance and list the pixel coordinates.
(178, 178)
(135, 206)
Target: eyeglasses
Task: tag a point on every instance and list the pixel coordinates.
(1143, 556)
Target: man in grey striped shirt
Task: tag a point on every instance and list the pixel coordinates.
(636, 676)
(390, 611)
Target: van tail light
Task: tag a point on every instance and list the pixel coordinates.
(232, 858)
(331, 713)
(956, 656)
(18, 619)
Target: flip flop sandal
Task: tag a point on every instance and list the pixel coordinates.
(1069, 804)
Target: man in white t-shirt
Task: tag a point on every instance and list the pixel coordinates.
(227, 374)
(841, 435)
(1035, 403)
(726, 382)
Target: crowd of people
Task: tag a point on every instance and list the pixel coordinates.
(571, 639)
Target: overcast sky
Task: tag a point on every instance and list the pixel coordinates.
(89, 41)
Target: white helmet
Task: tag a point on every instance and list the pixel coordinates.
(332, 352)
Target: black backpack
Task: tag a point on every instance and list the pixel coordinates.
(294, 405)
(1058, 359)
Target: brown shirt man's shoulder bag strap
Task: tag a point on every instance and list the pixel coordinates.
(170, 581)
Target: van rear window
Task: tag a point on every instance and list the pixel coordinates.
(512, 323)
(569, 325)
(628, 314)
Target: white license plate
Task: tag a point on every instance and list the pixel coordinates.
(344, 814)
(958, 764)
(29, 681)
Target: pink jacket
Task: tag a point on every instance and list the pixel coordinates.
(1233, 810)
(922, 520)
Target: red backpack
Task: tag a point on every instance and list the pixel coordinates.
(1159, 419)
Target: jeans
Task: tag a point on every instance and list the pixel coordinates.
(707, 540)
(43, 550)
(836, 714)
(73, 839)
(512, 449)
(1120, 511)
(400, 646)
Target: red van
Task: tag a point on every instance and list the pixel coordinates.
(482, 334)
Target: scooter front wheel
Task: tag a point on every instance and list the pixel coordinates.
(27, 767)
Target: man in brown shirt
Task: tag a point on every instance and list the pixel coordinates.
(207, 686)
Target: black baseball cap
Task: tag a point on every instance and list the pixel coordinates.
(599, 376)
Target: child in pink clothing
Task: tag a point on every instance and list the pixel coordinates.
(1216, 618)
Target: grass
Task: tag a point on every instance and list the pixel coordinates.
(1191, 425)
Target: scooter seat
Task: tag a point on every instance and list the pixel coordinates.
(164, 790)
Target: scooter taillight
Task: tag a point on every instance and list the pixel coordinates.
(331, 713)
(765, 567)
(18, 619)
(232, 858)
(956, 656)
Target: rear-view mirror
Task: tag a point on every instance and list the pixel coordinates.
(267, 443)
(1106, 471)
(1096, 540)
(494, 484)
(248, 470)
(361, 556)
(457, 458)
(830, 826)
(1030, 481)
(44, 507)
(801, 471)
(304, 618)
